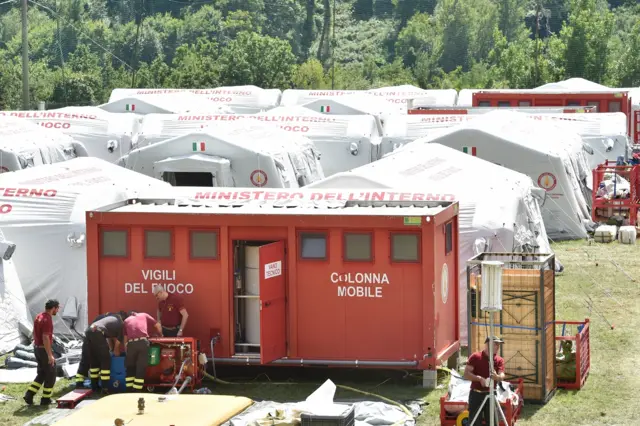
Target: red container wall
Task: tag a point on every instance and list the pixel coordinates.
(334, 326)
(126, 283)
(395, 318)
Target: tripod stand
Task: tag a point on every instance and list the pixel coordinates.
(491, 301)
(490, 398)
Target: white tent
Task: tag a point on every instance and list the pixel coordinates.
(174, 103)
(573, 84)
(399, 130)
(344, 141)
(395, 95)
(44, 217)
(359, 104)
(16, 321)
(24, 144)
(241, 99)
(104, 135)
(240, 154)
(549, 155)
(498, 210)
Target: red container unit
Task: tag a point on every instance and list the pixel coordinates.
(352, 279)
(603, 101)
(580, 343)
(626, 205)
(462, 110)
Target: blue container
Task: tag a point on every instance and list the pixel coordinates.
(118, 382)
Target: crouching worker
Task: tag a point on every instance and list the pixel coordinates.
(85, 358)
(43, 342)
(103, 335)
(138, 327)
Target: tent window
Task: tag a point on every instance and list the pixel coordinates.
(204, 245)
(448, 238)
(157, 244)
(357, 247)
(313, 246)
(504, 103)
(404, 248)
(115, 243)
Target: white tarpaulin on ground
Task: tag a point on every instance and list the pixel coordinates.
(24, 144)
(104, 135)
(552, 157)
(241, 99)
(44, 215)
(498, 210)
(231, 154)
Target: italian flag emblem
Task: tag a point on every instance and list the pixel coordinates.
(198, 146)
(130, 107)
(469, 150)
(325, 108)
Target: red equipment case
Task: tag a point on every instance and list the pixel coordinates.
(510, 412)
(603, 208)
(174, 352)
(583, 353)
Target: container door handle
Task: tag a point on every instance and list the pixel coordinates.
(266, 304)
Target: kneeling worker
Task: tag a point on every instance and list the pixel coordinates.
(85, 357)
(138, 327)
(102, 336)
(172, 314)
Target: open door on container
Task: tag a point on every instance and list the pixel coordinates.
(273, 336)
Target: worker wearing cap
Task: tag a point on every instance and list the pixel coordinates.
(138, 327)
(103, 336)
(43, 342)
(85, 357)
(478, 372)
(172, 314)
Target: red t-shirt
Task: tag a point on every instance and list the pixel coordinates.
(170, 310)
(480, 363)
(42, 326)
(139, 325)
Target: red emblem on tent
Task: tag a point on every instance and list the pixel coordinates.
(258, 178)
(547, 181)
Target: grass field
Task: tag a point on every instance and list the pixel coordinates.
(592, 286)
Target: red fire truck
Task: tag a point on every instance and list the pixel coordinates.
(464, 110)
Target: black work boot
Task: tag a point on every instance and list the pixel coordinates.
(46, 401)
(28, 398)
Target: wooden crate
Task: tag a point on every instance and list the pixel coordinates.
(526, 322)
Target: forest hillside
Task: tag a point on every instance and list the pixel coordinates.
(79, 50)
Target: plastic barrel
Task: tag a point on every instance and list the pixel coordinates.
(154, 355)
(118, 380)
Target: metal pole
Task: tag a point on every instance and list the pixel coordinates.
(492, 397)
(25, 58)
(333, 48)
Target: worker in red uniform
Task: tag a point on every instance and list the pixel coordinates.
(138, 327)
(43, 342)
(478, 372)
(85, 357)
(172, 314)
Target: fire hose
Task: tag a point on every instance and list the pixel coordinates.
(348, 388)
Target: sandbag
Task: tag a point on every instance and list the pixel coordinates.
(14, 363)
(25, 348)
(28, 356)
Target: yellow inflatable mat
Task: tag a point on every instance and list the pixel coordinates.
(176, 410)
